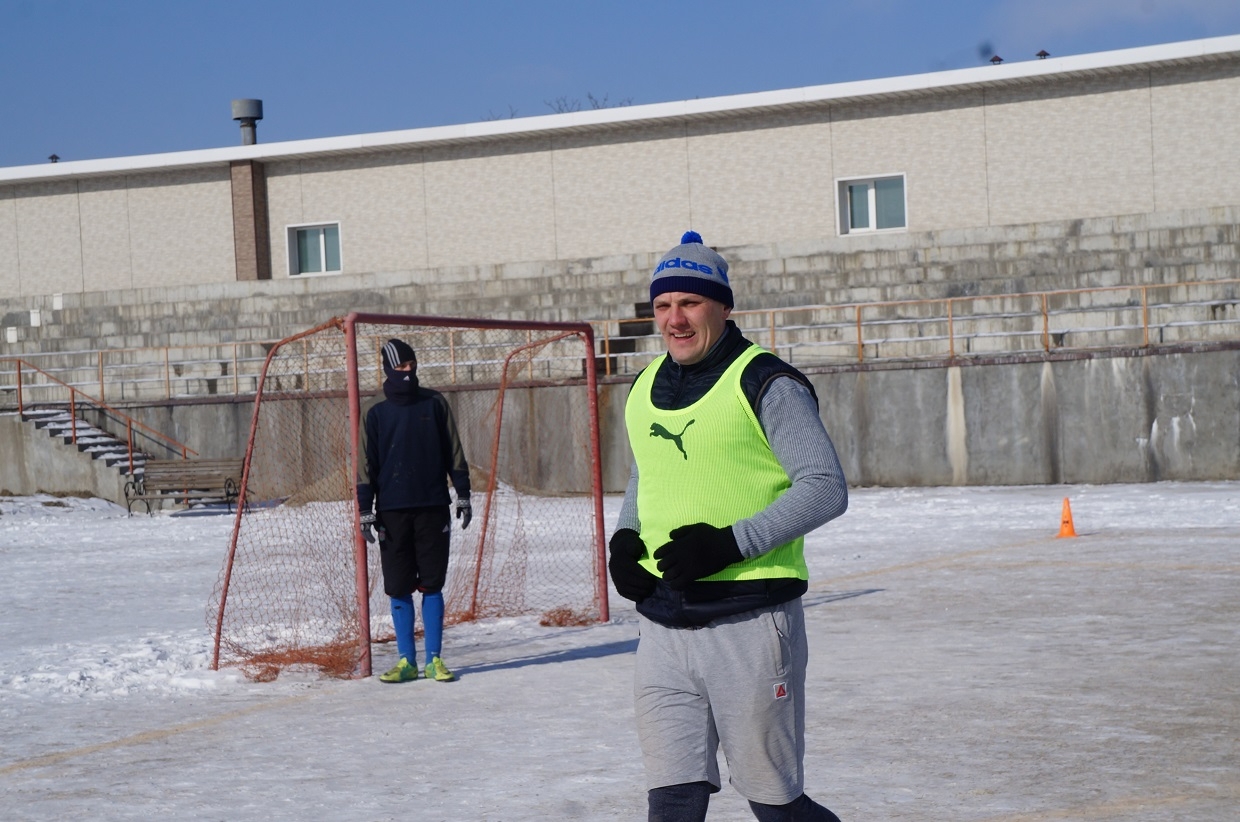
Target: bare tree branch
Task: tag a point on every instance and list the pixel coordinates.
(512, 113)
(564, 105)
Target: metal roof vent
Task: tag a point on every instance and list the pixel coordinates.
(249, 112)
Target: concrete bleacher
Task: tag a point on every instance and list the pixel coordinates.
(1165, 278)
(205, 323)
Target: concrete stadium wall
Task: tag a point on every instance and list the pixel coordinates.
(1096, 420)
(1093, 420)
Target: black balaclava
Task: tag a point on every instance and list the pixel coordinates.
(399, 384)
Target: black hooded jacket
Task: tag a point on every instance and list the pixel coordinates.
(410, 449)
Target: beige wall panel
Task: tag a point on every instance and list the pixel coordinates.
(49, 243)
(106, 263)
(761, 180)
(1069, 151)
(10, 280)
(1196, 124)
(283, 209)
(181, 228)
(621, 193)
(490, 206)
(938, 143)
(379, 202)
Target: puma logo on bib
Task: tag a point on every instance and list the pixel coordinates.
(657, 430)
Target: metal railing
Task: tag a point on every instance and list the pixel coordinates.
(942, 328)
(35, 388)
(154, 373)
(961, 327)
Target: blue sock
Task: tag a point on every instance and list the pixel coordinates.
(432, 623)
(402, 622)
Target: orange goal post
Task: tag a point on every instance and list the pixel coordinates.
(300, 588)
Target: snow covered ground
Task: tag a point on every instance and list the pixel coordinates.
(965, 665)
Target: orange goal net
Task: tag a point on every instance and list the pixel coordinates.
(300, 588)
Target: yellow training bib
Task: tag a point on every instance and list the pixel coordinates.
(709, 462)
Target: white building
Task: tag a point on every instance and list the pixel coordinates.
(1134, 132)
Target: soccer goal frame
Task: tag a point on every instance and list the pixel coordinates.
(524, 392)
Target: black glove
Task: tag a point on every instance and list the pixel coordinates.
(464, 512)
(696, 551)
(368, 527)
(632, 581)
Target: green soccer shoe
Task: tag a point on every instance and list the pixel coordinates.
(436, 670)
(403, 672)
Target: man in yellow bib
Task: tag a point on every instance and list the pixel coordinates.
(732, 467)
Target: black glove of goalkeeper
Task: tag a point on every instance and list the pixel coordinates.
(632, 581)
(464, 512)
(696, 551)
(368, 527)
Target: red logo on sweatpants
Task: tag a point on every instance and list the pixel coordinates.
(781, 690)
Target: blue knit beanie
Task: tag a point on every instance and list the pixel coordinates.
(693, 268)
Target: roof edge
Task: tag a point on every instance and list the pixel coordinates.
(1167, 53)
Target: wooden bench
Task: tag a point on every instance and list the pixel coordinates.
(189, 481)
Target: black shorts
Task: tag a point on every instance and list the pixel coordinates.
(415, 552)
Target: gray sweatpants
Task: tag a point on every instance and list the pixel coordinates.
(739, 683)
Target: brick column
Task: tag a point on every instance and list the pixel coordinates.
(251, 239)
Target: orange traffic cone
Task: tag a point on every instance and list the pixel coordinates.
(1065, 521)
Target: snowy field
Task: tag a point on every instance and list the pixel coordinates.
(965, 665)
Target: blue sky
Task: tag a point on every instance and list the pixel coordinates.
(106, 78)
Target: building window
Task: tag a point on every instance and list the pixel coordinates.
(314, 249)
(872, 204)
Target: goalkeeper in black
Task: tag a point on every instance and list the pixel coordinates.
(410, 451)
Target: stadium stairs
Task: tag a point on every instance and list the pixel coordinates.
(93, 442)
